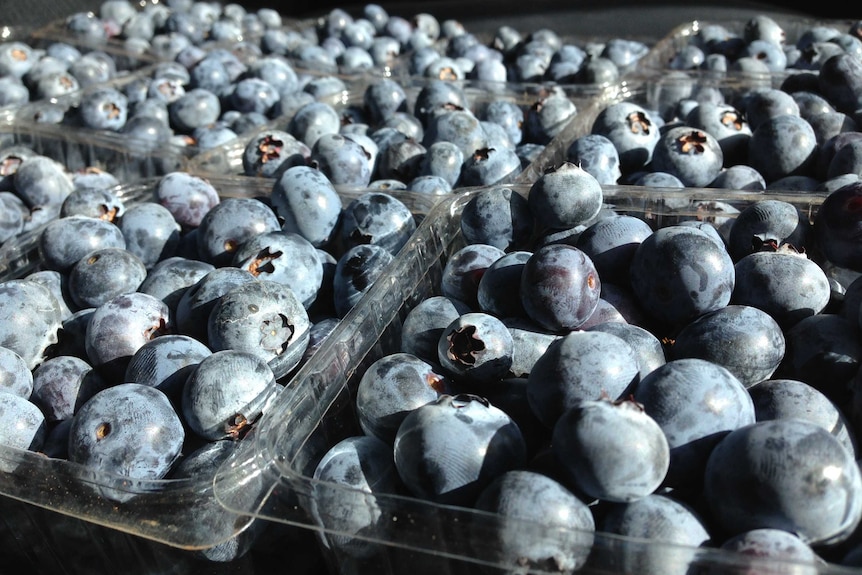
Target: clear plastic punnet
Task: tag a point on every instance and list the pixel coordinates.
(403, 531)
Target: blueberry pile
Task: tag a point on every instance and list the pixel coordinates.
(636, 371)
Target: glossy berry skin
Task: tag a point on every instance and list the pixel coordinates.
(103, 274)
(595, 442)
(188, 197)
(673, 529)
(697, 274)
(565, 197)
(499, 217)
(283, 257)
(745, 340)
(342, 160)
(306, 201)
(696, 403)
(597, 155)
(476, 348)
(349, 477)
(837, 226)
(807, 482)
(527, 497)
(499, 288)
(229, 224)
(392, 387)
(264, 318)
(128, 430)
(225, 394)
(62, 384)
(648, 349)
(450, 449)
(787, 286)
(166, 362)
(355, 272)
(32, 318)
(691, 154)
(379, 219)
(560, 287)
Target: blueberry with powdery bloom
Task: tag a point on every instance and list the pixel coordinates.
(187, 196)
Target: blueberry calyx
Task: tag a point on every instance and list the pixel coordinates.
(273, 333)
(463, 345)
(639, 123)
(731, 118)
(263, 262)
(692, 142)
(269, 149)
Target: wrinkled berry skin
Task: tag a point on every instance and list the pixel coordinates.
(264, 318)
(476, 348)
(595, 441)
(528, 496)
(697, 275)
(560, 287)
(580, 366)
(130, 430)
(449, 450)
(805, 481)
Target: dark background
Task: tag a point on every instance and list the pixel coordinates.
(650, 18)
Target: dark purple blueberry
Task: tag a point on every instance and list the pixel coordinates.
(766, 225)
(597, 155)
(499, 288)
(788, 286)
(696, 403)
(264, 318)
(611, 242)
(450, 449)
(806, 482)
(560, 287)
(697, 275)
(593, 440)
(464, 269)
(499, 217)
(127, 430)
(745, 340)
(62, 384)
(691, 154)
(839, 82)
(580, 366)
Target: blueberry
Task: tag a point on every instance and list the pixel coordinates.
(15, 374)
(152, 233)
(103, 109)
(611, 242)
(696, 403)
(226, 392)
(356, 271)
(592, 440)
(522, 497)
(565, 197)
(580, 366)
(767, 544)
(698, 275)
(781, 459)
(307, 203)
(129, 430)
(349, 478)
(648, 349)
(166, 363)
(560, 287)
(423, 325)
(195, 108)
(632, 130)
(499, 217)
(26, 428)
(499, 288)
(32, 318)
(597, 155)
(547, 117)
(692, 155)
(229, 224)
(488, 166)
(196, 302)
(476, 348)
(378, 219)
(270, 152)
(436, 466)
(62, 384)
(264, 318)
(781, 146)
(313, 120)
(393, 386)
(341, 159)
(738, 177)
(463, 272)
(104, 274)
